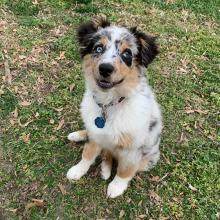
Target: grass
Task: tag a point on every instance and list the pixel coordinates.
(39, 62)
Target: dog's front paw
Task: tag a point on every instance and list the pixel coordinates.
(78, 136)
(75, 136)
(75, 172)
(117, 187)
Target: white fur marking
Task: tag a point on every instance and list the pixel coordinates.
(117, 186)
(75, 136)
(106, 171)
(77, 171)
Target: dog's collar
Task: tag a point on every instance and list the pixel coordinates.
(100, 121)
(110, 103)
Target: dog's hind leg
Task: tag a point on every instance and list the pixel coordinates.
(150, 156)
(149, 162)
(106, 164)
(120, 183)
(78, 136)
(90, 152)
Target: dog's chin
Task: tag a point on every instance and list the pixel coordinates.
(104, 84)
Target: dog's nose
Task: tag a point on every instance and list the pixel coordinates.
(105, 69)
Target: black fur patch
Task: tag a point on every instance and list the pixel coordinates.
(85, 35)
(127, 59)
(147, 48)
(152, 125)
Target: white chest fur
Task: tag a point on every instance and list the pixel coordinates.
(131, 116)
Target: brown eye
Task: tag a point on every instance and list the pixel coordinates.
(127, 57)
(126, 54)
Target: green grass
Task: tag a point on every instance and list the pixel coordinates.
(35, 156)
(207, 8)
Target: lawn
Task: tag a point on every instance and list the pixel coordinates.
(41, 86)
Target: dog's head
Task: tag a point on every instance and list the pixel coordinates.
(113, 56)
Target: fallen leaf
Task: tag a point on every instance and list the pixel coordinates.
(60, 125)
(62, 189)
(183, 138)
(12, 122)
(122, 213)
(108, 211)
(173, 152)
(8, 76)
(195, 125)
(24, 103)
(13, 210)
(3, 23)
(211, 137)
(169, 1)
(189, 111)
(58, 109)
(192, 203)
(25, 124)
(166, 159)
(153, 195)
(175, 199)
(26, 138)
(22, 57)
(51, 121)
(163, 177)
(142, 216)
(15, 113)
(25, 167)
(36, 203)
(30, 205)
(35, 2)
(71, 87)
(7, 68)
(39, 202)
(1, 92)
(154, 178)
(62, 55)
(139, 204)
(192, 187)
(164, 218)
(182, 71)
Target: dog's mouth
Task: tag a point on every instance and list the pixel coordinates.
(104, 84)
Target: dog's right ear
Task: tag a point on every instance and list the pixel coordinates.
(86, 31)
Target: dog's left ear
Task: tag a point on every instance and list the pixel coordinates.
(147, 47)
(86, 31)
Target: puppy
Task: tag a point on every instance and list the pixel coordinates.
(119, 110)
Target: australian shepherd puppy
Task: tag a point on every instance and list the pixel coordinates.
(119, 109)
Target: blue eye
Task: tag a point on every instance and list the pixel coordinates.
(99, 49)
